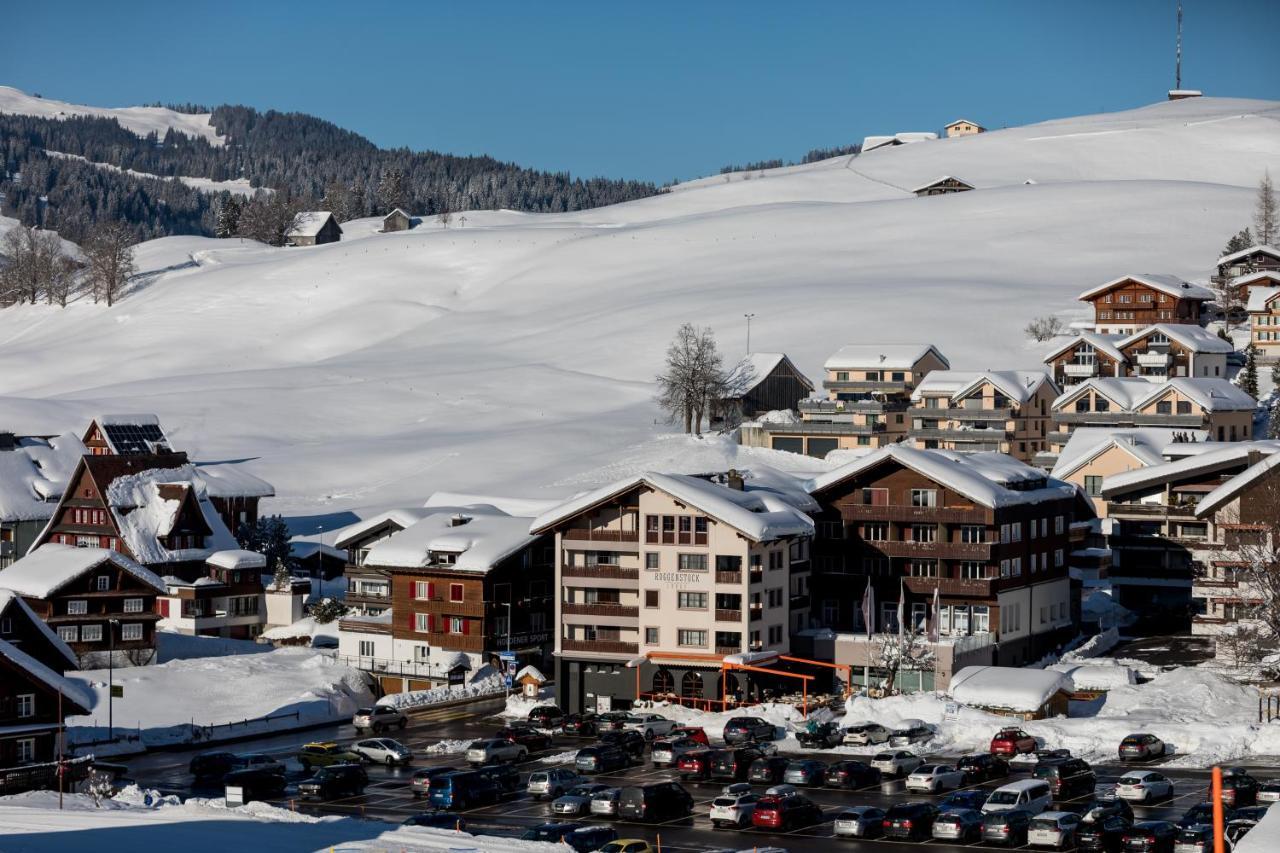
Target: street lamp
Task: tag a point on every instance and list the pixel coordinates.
(748, 316)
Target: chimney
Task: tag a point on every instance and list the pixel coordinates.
(734, 480)
(458, 520)
(8, 441)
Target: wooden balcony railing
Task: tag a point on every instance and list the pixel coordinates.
(595, 535)
(608, 647)
(936, 550)
(615, 572)
(728, 615)
(728, 577)
(618, 611)
(975, 587)
(897, 512)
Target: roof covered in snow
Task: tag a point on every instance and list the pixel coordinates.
(961, 121)
(10, 598)
(478, 539)
(1260, 296)
(71, 691)
(309, 222)
(50, 567)
(1160, 282)
(1270, 251)
(1146, 445)
(1260, 277)
(1007, 687)
(1017, 385)
(1095, 676)
(530, 671)
(133, 433)
(400, 517)
(881, 356)
(34, 474)
(1222, 455)
(231, 480)
(145, 506)
(398, 210)
(940, 180)
(981, 477)
(1100, 342)
(764, 510)
(1228, 491)
(511, 506)
(1194, 338)
(1131, 393)
(761, 364)
(237, 558)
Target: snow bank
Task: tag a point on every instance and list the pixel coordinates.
(1095, 646)
(1006, 687)
(306, 627)
(422, 698)
(1097, 677)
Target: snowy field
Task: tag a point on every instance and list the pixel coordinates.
(518, 352)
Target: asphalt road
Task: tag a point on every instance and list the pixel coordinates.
(388, 796)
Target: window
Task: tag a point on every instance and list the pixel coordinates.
(651, 636)
(775, 597)
(6, 626)
(972, 534)
(924, 568)
(975, 571)
(26, 704)
(366, 648)
(133, 605)
(1015, 530)
(981, 619)
(924, 533)
(422, 590)
(104, 583)
(686, 530)
(875, 497)
(455, 592)
(1057, 558)
(1093, 485)
(90, 633)
(457, 625)
(422, 622)
(1015, 566)
(686, 637)
(69, 633)
(1004, 533)
(26, 750)
(693, 562)
(1033, 565)
(830, 529)
(842, 376)
(924, 497)
(691, 600)
(775, 635)
(77, 607)
(700, 530)
(652, 525)
(775, 560)
(919, 613)
(875, 531)
(650, 598)
(651, 561)
(131, 632)
(1058, 524)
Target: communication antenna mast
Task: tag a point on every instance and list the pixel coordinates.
(1177, 78)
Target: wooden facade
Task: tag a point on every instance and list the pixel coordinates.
(29, 713)
(21, 627)
(943, 186)
(329, 232)
(1252, 260)
(397, 220)
(1083, 360)
(778, 389)
(1130, 304)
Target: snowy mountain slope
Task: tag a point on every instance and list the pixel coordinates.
(516, 353)
(239, 186)
(141, 120)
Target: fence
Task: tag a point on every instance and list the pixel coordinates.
(34, 777)
(194, 734)
(1268, 707)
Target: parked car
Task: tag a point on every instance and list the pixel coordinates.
(1239, 788)
(1013, 741)
(768, 769)
(1203, 813)
(437, 820)
(245, 786)
(695, 764)
(782, 791)
(628, 845)
(743, 729)
(336, 780)
(1237, 830)
(504, 778)
(1029, 795)
(963, 826)
(551, 783)
(1151, 836)
(1269, 791)
(612, 721)
(851, 774)
(655, 801)
(1007, 828)
(212, 765)
(1067, 778)
(589, 838)
(649, 725)
(733, 764)
(1104, 807)
(897, 762)
(462, 789)
(909, 732)
(379, 717)
(865, 733)
(694, 733)
(733, 810)
(972, 799)
(666, 752)
(525, 735)
(605, 802)
(1144, 786)
(604, 758)
(580, 725)
(550, 832)
(785, 813)
(982, 767)
(383, 750)
(934, 778)
(1054, 829)
(820, 736)
(256, 761)
(1141, 747)
(910, 821)
(493, 750)
(632, 743)
(546, 716)
(1194, 839)
(420, 784)
(325, 755)
(1104, 835)
(859, 822)
(576, 801)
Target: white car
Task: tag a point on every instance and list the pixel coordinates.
(552, 783)
(493, 751)
(379, 717)
(665, 753)
(1053, 829)
(733, 810)
(897, 762)
(865, 733)
(1143, 786)
(649, 725)
(382, 750)
(932, 778)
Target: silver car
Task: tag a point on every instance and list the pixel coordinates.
(551, 783)
(666, 753)
(805, 772)
(606, 802)
(495, 750)
(1053, 829)
(897, 762)
(865, 733)
(382, 750)
(963, 825)
(577, 800)
(859, 822)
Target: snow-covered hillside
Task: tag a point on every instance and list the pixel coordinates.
(517, 352)
(141, 120)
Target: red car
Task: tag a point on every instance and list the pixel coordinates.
(693, 733)
(785, 813)
(695, 765)
(1012, 742)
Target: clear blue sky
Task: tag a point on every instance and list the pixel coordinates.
(650, 90)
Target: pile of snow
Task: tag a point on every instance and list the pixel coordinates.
(779, 416)
(1096, 676)
(162, 702)
(1099, 606)
(1006, 688)
(449, 746)
(305, 628)
(1096, 646)
(436, 695)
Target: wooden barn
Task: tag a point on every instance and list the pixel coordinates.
(943, 186)
(775, 383)
(397, 220)
(313, 227)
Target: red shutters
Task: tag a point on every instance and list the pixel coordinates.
(431, 623)
(413, 621)
(431, 590)
(162, 604)
(466, 626)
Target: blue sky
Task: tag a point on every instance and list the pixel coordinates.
(646, 90)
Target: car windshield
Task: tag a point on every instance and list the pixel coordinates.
(724, 801)
(1003, 798)
(1044, 823)
(1131, 780)
(1131, 741)
(365, 712)
(883, 756)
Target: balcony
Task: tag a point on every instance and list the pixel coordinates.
(579, 534)
(728, 577)
(728, 650)
(993, 436)
(1153, 358)
(799, 602)
(1127, 419)
(834, 407)
(728, 615)
(898, 512)
(606, 647)
(615, 611)
(600, 571)
(824, 428)
(756, 576)
(864, 387)
(962, 413)
(939, 550)
(756, 612)
(1080, 371)
(1117, 510)
(971, 587)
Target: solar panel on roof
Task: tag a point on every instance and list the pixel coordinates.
(129, 439)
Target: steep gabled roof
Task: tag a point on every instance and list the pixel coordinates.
(761, 364)
(1260, 297)
(1227, 455)
(9, 598)
(77, 695)
(881, 356)
(1259, 249)
(1146, 445)
(1194, 338)
(1169, 284)
(937, 181)
(1254, 279)
(1105, 344)
(52, 566)
(394, 212)
(1123, 391)
(401, 517)
(1131, 393)
(1017, 385)
(131, 434)
(309, 223)
(34, 475)
(1268, 467)
(961, 121)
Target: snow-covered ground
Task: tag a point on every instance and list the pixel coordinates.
(162, 702)
(515, 353)
(141, 120)
(239, 186)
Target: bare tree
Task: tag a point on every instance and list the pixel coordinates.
(694, 379)
(1044, 328)
(446, 210)
(1266, 218)
(35, 266)
(109, 253)
(910, 650)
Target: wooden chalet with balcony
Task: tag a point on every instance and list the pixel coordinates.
(945, 185)
(369, 587)
(1001, 411)
(35, 701)
(1255, 259)
(24, 629)
(1085, 356)
(1264, 321)
(1133, 302)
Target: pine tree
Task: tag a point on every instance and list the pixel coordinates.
(1275, 378)
(1266, 218)
(1249, 377)
(281, 579)
(228, 217)
(1273, 425)
(1238, 243)
(391, 191)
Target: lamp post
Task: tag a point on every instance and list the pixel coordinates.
(111, 676)
(748, 316)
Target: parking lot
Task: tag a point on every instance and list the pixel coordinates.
(388, 796)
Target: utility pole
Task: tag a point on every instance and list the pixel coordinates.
(748, 316)
(1177, 75)
(111, 676)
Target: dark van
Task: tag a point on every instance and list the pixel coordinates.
(658, 801)
(504, 778)
(245, 786)
(212, 765)
(461, 790)
(733, 764)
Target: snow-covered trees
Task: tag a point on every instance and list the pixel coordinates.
(1249, 376)
(694, 377)
(228, 217)
(1266, 218)
(109, 255)
(33, 266)
(391, 191)
(326, 610)
(269, 537)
